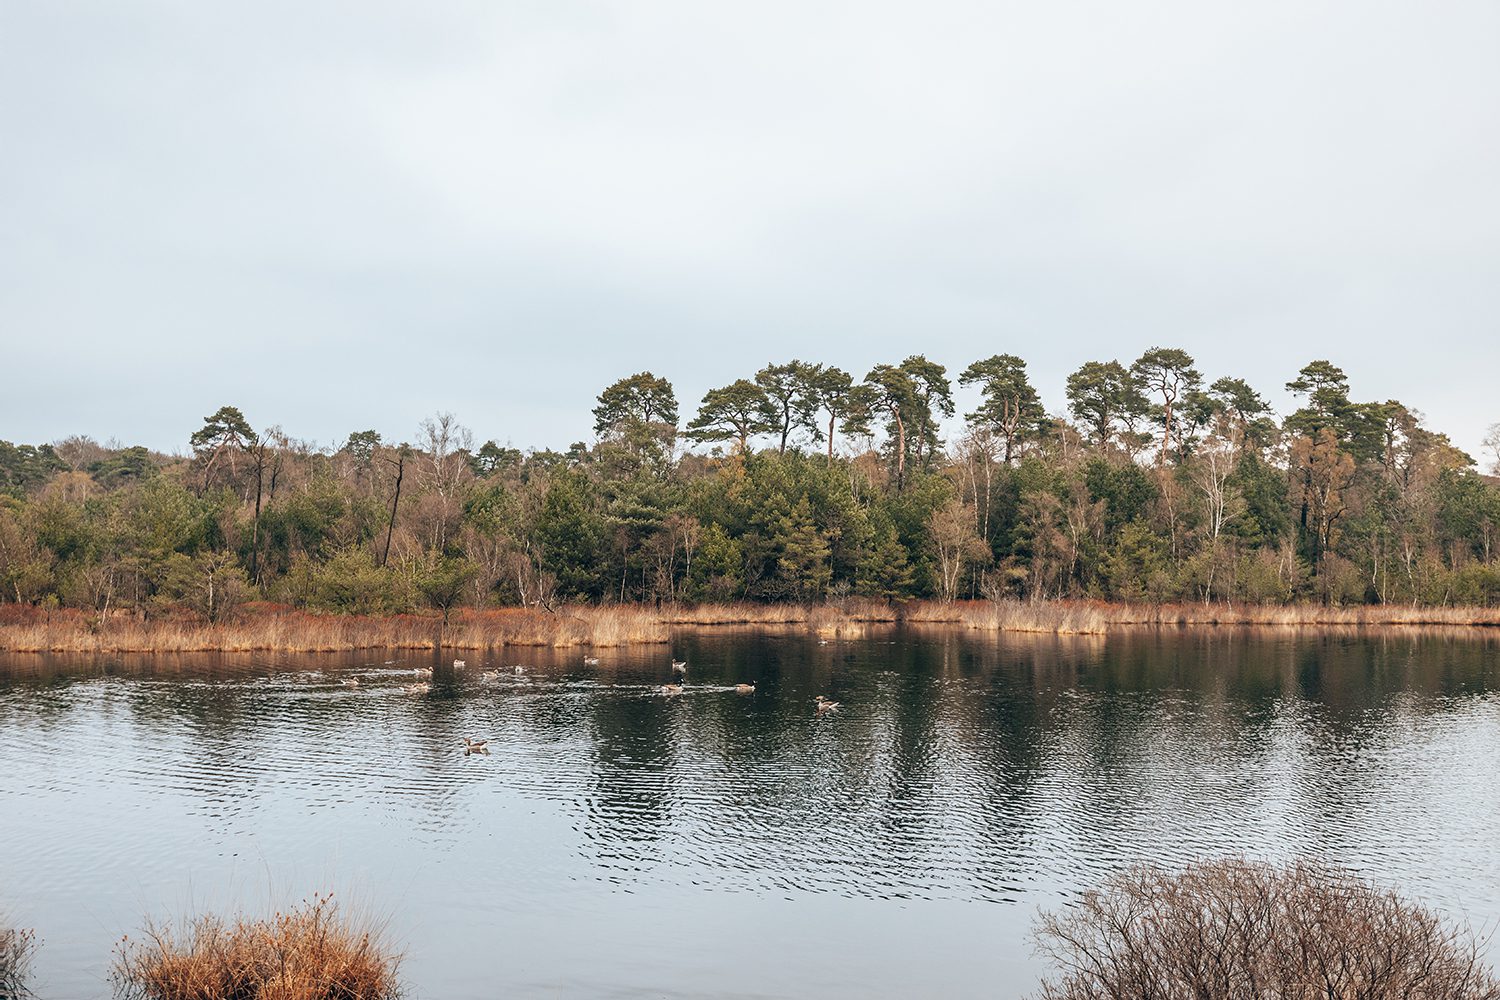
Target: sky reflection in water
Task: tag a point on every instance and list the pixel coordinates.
(616, 842)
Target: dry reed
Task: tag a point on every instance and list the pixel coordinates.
(305, 953)
(291, 631)
(16, 949)
(270, 628)
(1240, 930)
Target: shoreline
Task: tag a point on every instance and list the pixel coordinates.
(269, 628)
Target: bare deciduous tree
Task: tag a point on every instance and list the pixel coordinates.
(1241, 930)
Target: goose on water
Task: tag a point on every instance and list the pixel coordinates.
(420, 688)
(476, 746)
(680, 666)
(591, 661)
(671, 688)
(459, 664)
(824, 705)
(351, 682)
(745, 688)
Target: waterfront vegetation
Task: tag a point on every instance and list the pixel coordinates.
(799, 488)
(1238, 930)
(307, 952)
(16, 948)
(1227, 929)
(272, 628)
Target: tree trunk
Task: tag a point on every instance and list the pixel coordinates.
(391, 527)
(900, 449)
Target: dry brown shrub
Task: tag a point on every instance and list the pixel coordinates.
(16, 949)
(1241, 930)
(305, 953)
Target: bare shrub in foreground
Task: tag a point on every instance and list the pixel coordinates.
(305, 953)
(16, 949)
(1240, 930)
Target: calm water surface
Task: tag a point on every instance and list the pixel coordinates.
(618, 843)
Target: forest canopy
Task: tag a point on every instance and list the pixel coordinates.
(799, 482)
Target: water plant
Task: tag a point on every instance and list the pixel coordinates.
(1243, 930)
(17, 946)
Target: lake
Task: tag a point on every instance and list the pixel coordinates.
(617, 842)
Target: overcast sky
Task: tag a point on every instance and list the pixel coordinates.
(339, 216)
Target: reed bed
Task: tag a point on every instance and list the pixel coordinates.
(308, 952)
(1049, 617)
(298, 632)
(269, 628)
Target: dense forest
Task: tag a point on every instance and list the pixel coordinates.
(799, 483)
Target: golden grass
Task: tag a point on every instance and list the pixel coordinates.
(261, 630)
(1052, 617)
(269, 628)
(308, 952)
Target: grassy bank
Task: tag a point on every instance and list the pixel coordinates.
(271, 628)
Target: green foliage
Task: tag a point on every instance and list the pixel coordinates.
(351, 583)
(211, 583)
(737, 412)
(641, 399)
(442, 581)
(571, 536)
(1011, 406)
(802, 563)
(1346, 501)
(1105, 397)
(26, 467)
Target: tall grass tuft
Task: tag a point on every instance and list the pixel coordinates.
(308, 952)
(16, 949)
(1240, 930)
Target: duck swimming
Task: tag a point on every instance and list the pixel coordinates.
(745, 688)
(419, 688)
(670, 689)
(824, 705)
(680, 666)
(476, 746)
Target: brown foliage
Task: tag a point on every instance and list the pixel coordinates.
(305, 953)
(1240, 930)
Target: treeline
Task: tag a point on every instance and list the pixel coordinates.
(797, 484)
